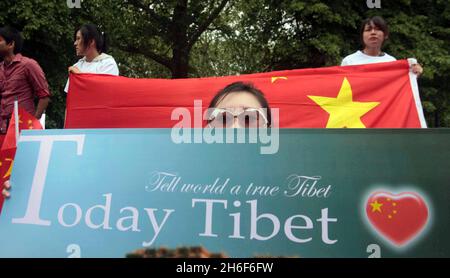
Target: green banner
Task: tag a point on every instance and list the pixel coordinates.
(322, 193)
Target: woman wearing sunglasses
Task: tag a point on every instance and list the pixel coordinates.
(239, 105)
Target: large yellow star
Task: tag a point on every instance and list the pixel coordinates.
(376, 206)
(344, 112)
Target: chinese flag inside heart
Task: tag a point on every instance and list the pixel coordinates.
(398, 217)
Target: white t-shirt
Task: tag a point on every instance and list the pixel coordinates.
(359, 58)
(102, 64)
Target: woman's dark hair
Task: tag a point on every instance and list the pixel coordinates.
(89, 33)
(379, 22)
(11, 34)
(243, 87)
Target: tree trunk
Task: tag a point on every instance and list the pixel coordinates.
(180, 52)
(180, 61)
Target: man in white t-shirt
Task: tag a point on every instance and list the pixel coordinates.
(90, 43)
(374, 32)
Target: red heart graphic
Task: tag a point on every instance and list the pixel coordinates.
(398, 217)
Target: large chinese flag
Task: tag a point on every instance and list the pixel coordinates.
(9, 145)
(381, 95)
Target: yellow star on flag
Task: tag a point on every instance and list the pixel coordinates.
(275, 78)
(376, 206)
(344, 112)
(8, 173)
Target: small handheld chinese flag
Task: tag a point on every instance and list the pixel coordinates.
(9, 146)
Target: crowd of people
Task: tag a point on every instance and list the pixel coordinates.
(23, 80)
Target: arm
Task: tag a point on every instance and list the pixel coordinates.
(40, 87)
(42, 105)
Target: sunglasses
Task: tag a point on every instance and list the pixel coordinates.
(248, 118)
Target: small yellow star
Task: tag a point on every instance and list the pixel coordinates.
(8, 173)
(275, 78)
(376, 206)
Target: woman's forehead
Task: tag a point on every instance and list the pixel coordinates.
(240, 99)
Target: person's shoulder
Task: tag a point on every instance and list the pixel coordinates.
(29, 63)
(108, 65)
(354, 54)
(389, 57)
(110, 60)
(104, 58)
(348, 60)
(27, 60)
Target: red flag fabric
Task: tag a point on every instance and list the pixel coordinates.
(2, 138)
(383, 95)
(26, 121)
(8, 149)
